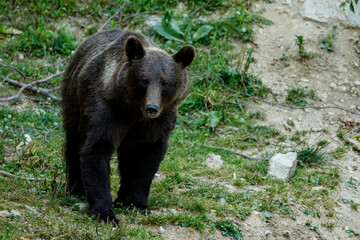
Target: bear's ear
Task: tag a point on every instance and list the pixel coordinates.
(185, 55)
(134, 48)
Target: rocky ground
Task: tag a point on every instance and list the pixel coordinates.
(335, 77)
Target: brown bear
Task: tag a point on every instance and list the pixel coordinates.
(120, 92)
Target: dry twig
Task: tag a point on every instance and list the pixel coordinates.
(6, 174)
(202, 6)
(107, 21)
(15, 69)
(30, 87)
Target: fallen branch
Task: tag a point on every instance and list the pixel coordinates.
(30, 87)
(107, 21)
(15, 69)
(237, 153)
(287, 105)
(6, 174)
(136, 15)
(202, 6)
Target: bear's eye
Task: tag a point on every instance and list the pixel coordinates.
(144, 82)
(165, 84)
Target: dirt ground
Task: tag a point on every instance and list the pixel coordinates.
(335, 77)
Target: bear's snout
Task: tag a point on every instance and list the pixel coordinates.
(151, 110)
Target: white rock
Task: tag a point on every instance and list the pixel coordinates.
(153, 20)
(318, 188)
(282, 166)
(80, 205)
(325, 10)
(333, 85)
(214, 161)
(222, 201)
(33, 210)
(357, 83)
(268, 233)
(173, 211)
(304, 80)
(27, 139)
(4, 213)
(15, 213)
(162, 229)
(343, 88)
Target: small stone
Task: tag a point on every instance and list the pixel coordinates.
(80, 206)
(4, 213)
(304, 80)
(267, 233)
(33, 210)
(286, 234)
(162, 229)
(333, 85)
(286, 126)
(157, 175)
(282, 166)
(214, 161)
(343, 88)
(21, 56)
(15, 213)
(357, 83)
(173, 211)
(222, 201)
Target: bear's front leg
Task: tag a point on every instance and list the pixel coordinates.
(95, 167)
(138, 164)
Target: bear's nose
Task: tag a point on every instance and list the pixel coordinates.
(151, 109)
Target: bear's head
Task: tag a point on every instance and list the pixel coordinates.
(155, 79)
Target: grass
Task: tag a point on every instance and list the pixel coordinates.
(297, 96)
(211, 115)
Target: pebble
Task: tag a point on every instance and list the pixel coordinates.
(333, 85)
(343, 88)
(286, 234)
(318, 188)
(4, 213)
(268, 233)
(304, 80)
(81, 206)
(173, 211)
(15, 213)
(162, 229)
(222, 201)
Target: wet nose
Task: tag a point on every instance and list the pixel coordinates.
(151, 109)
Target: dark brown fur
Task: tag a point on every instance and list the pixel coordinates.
(120, 93)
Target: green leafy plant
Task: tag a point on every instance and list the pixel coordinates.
(352, 232)
(228, 229)
(302, 52)
(350, 3)
(328, 41)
